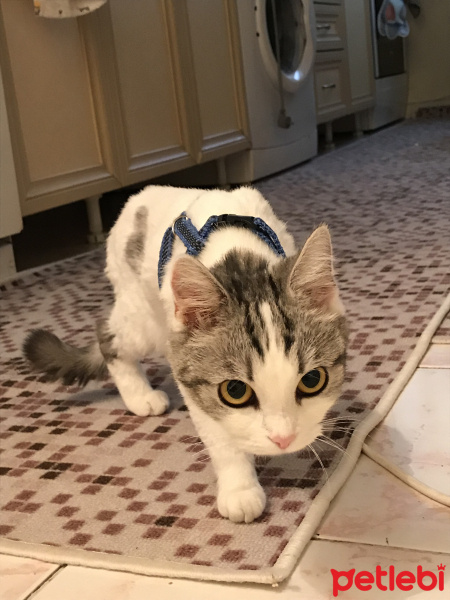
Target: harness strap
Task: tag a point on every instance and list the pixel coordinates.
(195, 239)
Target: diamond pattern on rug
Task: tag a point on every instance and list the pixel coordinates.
(79, 471)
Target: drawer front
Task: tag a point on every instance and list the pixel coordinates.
(329, 2)
(330, 85)
(330, 27)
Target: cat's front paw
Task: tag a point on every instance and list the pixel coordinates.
(154, 402)
(242, 504)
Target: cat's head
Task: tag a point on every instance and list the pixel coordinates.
(261, 347)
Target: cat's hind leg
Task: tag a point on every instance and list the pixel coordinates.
(123, 342)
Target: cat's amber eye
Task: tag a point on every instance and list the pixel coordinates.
(313, 382)
(235, 393)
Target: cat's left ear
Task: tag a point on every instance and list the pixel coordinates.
(312, 278)
(198, 295)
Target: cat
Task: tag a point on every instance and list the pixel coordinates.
(254, 330)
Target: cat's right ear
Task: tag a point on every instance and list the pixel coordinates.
(312, 278)
(198, 296)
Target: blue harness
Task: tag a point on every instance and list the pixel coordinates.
(195, 239)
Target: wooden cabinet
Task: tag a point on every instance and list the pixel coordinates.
(218, 74)
(54, 127)
(129, 92)
(134, 49)
(10, 217)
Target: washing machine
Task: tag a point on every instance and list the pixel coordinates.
(278, 48)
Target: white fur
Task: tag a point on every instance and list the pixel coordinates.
(140, 297)
(143, 315)
(240, 496)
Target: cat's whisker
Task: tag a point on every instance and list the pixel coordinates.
(197, 452)
(309, 451)
(350, 432)
(342, 420)
(343, 417)
(320, 461)
(205, 450)
(326, 440)
(190, 439)
(347, 431)
(203, 459)
(323, 436)
(347, 426)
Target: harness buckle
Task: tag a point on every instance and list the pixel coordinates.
(243, 221)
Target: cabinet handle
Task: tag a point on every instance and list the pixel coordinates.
(325, 26)
(328, 86)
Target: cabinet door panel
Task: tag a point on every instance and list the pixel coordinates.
(330, 27)
(150, 87)
(331, 85)
(214, 37)
(360, 54)
(53, 120)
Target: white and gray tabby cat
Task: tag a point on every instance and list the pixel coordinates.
(254, 330)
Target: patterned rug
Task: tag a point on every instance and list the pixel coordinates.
(442, 335)
(83, 481)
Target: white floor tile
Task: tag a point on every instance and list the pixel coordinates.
(21, 576)
(415, 433)
(374, 507)
(312, 580)
(437, 357)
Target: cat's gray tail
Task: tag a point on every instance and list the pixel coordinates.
(58, 360)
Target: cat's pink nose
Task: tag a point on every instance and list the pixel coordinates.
(282, 442)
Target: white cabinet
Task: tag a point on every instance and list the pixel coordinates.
(359, 52)
(344, 81)
(331, 66)
(331, 85)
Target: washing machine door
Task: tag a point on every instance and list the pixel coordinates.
(286, 36)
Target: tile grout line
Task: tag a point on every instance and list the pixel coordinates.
(437, 341)
(59, 569)
(318, 538)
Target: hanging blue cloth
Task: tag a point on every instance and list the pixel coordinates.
(391, 20)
